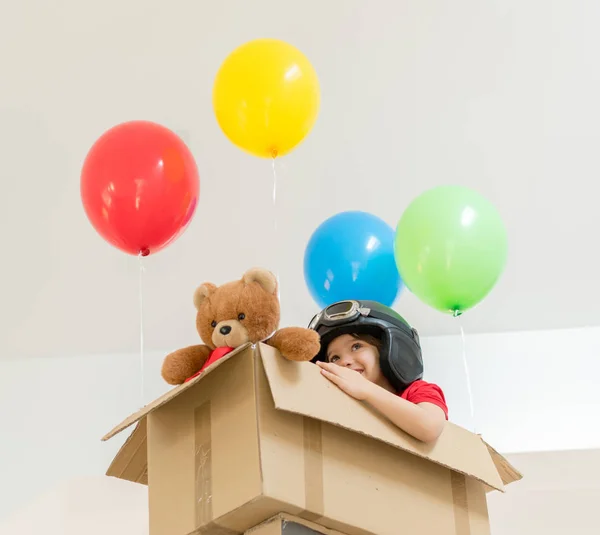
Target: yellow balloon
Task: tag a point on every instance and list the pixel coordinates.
(266, 97)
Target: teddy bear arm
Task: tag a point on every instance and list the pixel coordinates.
(296, 343)
(183, 363)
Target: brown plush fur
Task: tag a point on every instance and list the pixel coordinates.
(241, 311)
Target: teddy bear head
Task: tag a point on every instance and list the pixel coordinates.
(241, 311)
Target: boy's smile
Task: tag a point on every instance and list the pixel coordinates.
(358, 355)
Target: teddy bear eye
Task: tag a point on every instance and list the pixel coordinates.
(241, 316)
(213, 324)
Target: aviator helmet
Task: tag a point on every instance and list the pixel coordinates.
(400, 354)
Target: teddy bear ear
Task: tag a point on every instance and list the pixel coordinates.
(202, 292)
(264, 277)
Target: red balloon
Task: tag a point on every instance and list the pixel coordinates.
(139, 186)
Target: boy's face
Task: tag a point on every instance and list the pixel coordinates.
(357, 355)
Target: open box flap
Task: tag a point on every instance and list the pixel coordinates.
(507, 471)
(131, 461)
(168, 396)
(300, 388)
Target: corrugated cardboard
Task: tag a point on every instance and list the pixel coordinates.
(256, 435)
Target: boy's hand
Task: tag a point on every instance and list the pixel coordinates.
(350, 381)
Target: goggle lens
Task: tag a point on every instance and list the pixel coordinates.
(339, 309)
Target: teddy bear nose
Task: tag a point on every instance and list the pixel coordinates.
(226, 329)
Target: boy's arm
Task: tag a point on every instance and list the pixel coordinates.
(424, 421)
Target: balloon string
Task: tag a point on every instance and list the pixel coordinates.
(468, 375)
(141, 306)
(275, 224)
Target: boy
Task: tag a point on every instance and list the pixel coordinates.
(372, 354)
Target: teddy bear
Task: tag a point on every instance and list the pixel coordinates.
(233, 314)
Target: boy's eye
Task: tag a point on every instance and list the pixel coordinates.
(356, 347)
(334, 359)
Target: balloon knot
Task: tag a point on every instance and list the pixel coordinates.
(144, 251)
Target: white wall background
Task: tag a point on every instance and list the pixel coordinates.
(532, 392)
(497, 95)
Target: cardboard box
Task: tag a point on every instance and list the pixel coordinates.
(256, 435)
(283, 524)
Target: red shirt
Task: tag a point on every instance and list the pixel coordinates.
(424, 392)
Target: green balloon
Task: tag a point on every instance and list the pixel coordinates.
(451, 248)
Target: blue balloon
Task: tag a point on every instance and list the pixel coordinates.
(351, 256)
